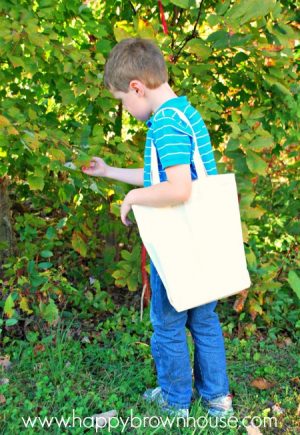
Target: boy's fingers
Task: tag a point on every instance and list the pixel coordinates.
(125, 221)
(91, 166)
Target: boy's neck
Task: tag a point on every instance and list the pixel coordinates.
(160, 95)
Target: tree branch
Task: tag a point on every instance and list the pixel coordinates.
(189, 37)
(132, 7)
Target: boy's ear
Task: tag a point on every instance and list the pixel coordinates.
(138, 87)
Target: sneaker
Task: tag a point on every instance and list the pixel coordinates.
(154, 395)
(220, 406)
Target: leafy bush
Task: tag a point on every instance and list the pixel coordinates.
(234, 61)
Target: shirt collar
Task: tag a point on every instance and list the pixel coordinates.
(173, 101)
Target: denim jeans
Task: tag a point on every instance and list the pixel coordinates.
(170, 350)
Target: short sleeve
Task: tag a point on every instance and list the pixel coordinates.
(172, 140)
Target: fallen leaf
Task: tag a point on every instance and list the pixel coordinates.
(288, 341)
(298, 411)
(4, 381)
(277, 410)
(38, 348)
(240, 301)
(296, 380)
(5, 362)
(262, 384)
(253, 430)
(2, 399)
(285, 342)
(102, 419)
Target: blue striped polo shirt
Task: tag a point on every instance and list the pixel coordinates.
(173, 139)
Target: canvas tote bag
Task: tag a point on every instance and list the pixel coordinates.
(197, 246)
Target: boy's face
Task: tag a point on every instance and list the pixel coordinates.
(135, 102)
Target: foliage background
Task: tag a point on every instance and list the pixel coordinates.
(237, 63)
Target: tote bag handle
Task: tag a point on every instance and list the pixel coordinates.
(200, 169)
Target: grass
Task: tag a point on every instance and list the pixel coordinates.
(71, 370)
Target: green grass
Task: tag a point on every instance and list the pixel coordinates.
(112, 370)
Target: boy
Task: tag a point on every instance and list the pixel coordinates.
(136, 74)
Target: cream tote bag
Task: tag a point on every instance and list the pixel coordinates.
(197, 246)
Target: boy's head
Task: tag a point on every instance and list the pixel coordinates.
(135, 59)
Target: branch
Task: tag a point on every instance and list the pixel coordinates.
(189, 37)
(133, 8)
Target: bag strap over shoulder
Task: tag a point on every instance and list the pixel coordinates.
(200, 168)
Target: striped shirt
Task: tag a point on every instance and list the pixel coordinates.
(173, 139)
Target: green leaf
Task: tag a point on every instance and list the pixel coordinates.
(79, 244)
(103, 46)
(119, 274)
(32, 337)
(219, 39)
(3, 169)
(57, 154)
(260, 143)
(283, 89)
(184, 4)
(198, 47)
(294, 282)
(121, 34)
(132, 283)
(82, 159)
(9, 306)
(46, 254)
(249, 10)
(98, 131)
(4, 122)
(239, 40)
(93, 92)
(50, 233)
(38, 39)
(251, 259)
(213, 20)
(45, 265)
(236, 131)
(222, 6)
(239, 57)
(17, 61)
(256, 164)
(35, 183)
(49, 312)
(24, 305)
(233, 144)
(252, 212)
(37, 280)
(126, 255)
(11, 322)
(67, 97)
(294, 228)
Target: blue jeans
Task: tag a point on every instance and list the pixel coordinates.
(170, 350)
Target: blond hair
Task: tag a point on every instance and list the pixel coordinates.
(135, 59)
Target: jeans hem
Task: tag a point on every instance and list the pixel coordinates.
(215, 397)
(176, 404)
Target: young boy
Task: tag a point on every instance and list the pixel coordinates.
(136, 74)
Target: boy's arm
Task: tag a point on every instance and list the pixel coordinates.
(172, 192)
(130, 176)
(98, 168)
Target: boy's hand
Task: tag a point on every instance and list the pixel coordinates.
(97, 168)
(125, 208)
